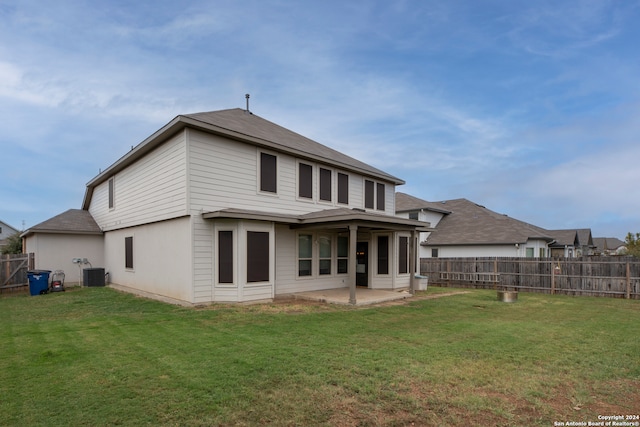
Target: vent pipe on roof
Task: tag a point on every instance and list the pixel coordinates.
(247, 96)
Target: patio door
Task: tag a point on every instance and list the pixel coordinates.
(362, 264)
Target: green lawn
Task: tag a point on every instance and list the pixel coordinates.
(94, 356)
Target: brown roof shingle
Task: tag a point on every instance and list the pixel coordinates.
(73, 221)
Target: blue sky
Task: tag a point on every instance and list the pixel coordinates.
(528, 108)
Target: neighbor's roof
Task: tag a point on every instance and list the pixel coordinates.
(73, 221)
(473, 224)
(607, 243)
(5, 225)
(246, 127)
(572, 237)
(565, 237)
(406, 203)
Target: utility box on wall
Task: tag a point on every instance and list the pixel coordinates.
(93, 277)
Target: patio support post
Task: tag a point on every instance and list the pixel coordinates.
(353, 245)
(412, 263)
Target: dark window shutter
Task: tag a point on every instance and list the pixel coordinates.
(111, 189)
(305, 175)
(368, 194)
(403, 255)
(380, 202)
(128, 252)
(343, 188)
(257, 256)
(383, 254)
(268, 172)
(225, 256)
(325, 184)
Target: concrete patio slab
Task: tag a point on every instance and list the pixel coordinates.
(364, 296)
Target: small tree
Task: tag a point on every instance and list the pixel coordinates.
(14, 244)
(632, 244)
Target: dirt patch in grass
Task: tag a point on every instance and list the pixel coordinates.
(425, 404)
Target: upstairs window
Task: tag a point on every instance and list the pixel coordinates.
(413, 215)
(368, 194)
(268, 173)
(305, 181)
(111, 192)
(380, 192)
(343, 188)
(374, 195)
(325, 184)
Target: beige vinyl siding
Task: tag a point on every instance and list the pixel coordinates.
(224, 174)
(202, 260)
(152, 189)
(161, 258)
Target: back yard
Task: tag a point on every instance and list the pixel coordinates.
(94, 356)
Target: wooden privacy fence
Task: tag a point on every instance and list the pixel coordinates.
(596, 276)
(13, 270)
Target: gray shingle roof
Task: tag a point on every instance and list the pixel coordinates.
(607, 243)
(565, 237)
(73, 221)
(278, 137)
(246, 127)
(406, 202)
(473, 224)
(572, 237)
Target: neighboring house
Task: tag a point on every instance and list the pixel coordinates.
(609, 246)
(225, 206)
(466, 229)
(57, 241)
(572, 243)
(6, 231)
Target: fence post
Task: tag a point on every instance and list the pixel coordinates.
(553, 278)
(628, 282)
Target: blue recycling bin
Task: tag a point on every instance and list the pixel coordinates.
(38, 281)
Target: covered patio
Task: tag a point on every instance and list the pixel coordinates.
(359, 228)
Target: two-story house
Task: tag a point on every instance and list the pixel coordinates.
(226, 206)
